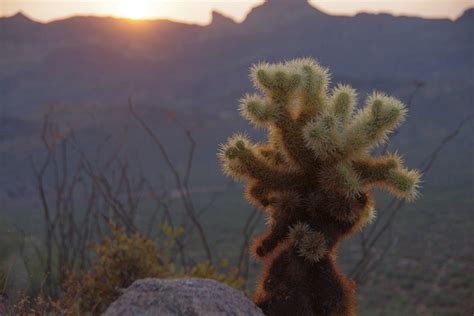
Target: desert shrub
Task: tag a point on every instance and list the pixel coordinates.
(206, 270)
(122, 258)
(37, 306)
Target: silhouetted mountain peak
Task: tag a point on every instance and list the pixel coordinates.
(467, 15)
(20, 17)
(287, 5)
(281, 11)
(17, 28)
(289, 2)
(219, 20)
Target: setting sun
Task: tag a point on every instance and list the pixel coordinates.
(194, 11)
(135, 9)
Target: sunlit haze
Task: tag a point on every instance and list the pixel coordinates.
(198, 11)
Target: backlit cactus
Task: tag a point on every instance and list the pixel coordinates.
(313, 177)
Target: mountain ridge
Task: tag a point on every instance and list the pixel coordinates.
(301, 4)
(151, 58)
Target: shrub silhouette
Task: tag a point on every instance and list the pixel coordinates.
(313, 177)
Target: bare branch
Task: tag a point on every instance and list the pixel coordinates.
(181, 185)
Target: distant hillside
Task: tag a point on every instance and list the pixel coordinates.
(104, 60)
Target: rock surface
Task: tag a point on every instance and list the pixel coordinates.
(189, 297)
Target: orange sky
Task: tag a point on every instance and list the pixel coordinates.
(198, 11)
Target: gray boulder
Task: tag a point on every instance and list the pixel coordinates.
(189, 297)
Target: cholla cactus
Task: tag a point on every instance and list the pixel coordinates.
(313, 178)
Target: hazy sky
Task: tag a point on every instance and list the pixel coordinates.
(198, 11)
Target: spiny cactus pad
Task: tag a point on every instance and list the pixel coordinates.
(313, 177)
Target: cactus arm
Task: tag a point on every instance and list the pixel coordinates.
(323, 136)
(387, 172)
(342, 103)
(257, 110)
(276, 81)
(279, 83)
(240, 160)
(268, 242)
(374, 169)
(292, 142)
(402, 183)
(349, 180)
(313, 93)
(373, 124)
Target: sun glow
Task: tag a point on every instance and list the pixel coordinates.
(135, 9)
(198, 11)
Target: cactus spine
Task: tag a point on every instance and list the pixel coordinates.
(313, 178)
